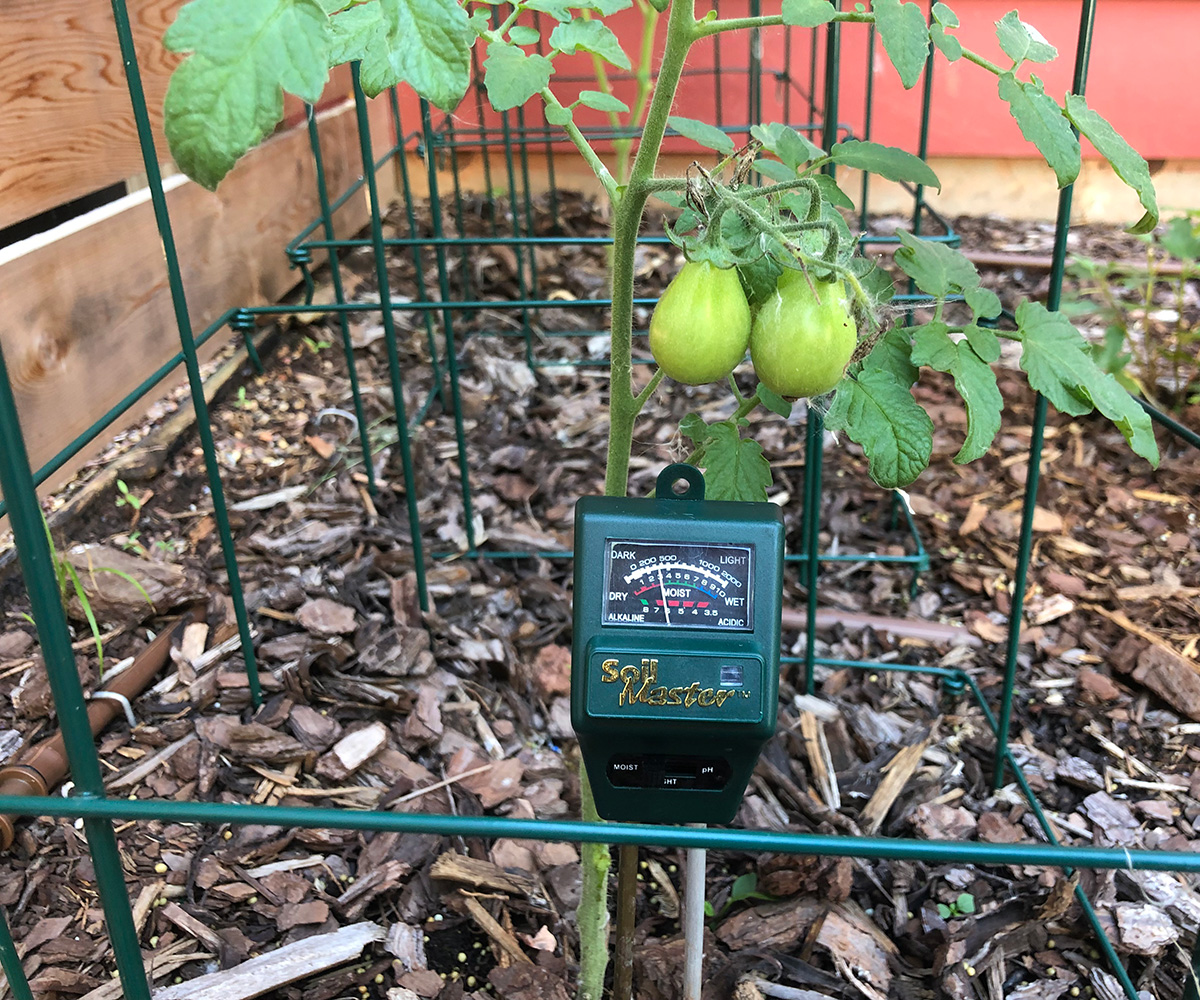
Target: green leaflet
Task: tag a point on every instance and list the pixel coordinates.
(424, 43)
(354, 31)
(557, 9)
(886, 161)
(1125, 160)
(974, 380)
(831, 192)
(1042, 122)
(794, 148)
(734, 467)
(512, 77)
(944, 16)
(808, 13)
(938, 269)
(227, 96)
(591, 36)
(597, 100)
(1060, 367)
(881, 415)
(984, 342)
(1022, 42)
(702, 133)
(892, 355)
(983, 301)
(948, 45)
(905, 37)
(522, 34)
(607, 7)
(774, 403)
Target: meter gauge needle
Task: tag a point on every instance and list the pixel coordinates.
(662, 589)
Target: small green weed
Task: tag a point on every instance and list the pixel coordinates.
(964, 904)
(1150, 340)
(744, 887)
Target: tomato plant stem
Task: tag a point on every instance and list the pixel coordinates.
(624, 406)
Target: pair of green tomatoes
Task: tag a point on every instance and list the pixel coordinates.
(800, 341)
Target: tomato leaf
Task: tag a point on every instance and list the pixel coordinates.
(424, 43)
(905, 37)
(702, 133)
(974, 380)
(1126, 161)
(591, 36)
(984, 342)
(791, 146)
(734, 467)
(876, 282)
(983, 302)
(1042, 122)
(607, 7)
(1022, 42)
(227, 96)
(948, 45)
(512, 77)
(1059, 365)
(774, 170)
(759, 277)
(938, 269)
(522, 34)
(892, 355)
(808, 13)
(944, 16)
(773, 402)
(881, 415)
(693, 427)
(833, 194)
(887, 161)
(597, 100)
(557, 9)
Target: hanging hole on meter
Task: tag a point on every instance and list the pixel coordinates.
(680, 486)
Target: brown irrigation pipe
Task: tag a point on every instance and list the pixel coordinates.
(45, 765)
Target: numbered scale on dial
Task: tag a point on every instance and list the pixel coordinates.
(675, 659)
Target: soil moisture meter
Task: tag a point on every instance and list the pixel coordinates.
(675, 661)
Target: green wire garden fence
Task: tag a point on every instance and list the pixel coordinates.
(805, 92)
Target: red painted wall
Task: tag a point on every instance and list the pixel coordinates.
(1144, 77)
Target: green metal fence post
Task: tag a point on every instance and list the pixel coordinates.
(389, 335)
(335, 277)
(10, 961)
(460, 434)
(183, 322)
(41, 584)
(1087, 19)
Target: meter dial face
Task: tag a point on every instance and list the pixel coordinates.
(678, 585)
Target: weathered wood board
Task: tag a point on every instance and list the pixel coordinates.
(65, 115)
(87, 309)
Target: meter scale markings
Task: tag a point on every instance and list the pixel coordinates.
(678, 585)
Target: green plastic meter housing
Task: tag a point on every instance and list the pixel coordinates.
(675, 658)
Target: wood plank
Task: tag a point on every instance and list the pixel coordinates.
(88, 312)
(64, 108)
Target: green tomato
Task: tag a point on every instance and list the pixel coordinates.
(701, 325)
(803, 336)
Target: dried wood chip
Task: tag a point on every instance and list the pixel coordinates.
(323, 616)
(250, 741)
(1144, 929)
(480, 874)
(295, 914)
(280, 967)
(937, 821)
(896, 774)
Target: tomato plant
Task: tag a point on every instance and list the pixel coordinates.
(226, 96)
(803, 336)
(701, 325)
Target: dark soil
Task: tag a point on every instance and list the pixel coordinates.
(483, 679)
